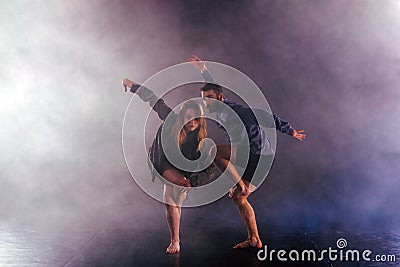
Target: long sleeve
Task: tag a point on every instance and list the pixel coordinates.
(267, 120)
(207, 77)
(156, 103)
(283, 126)
(254, 132)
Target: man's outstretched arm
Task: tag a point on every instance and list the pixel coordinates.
(201, 66)
(267, 119)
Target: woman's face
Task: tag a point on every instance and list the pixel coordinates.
(190, 120)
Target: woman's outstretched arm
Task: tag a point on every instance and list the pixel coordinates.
(147, 95)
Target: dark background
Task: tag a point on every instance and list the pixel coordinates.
(329, 67)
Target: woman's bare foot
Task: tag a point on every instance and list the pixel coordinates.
(173, 247)
(249, 243)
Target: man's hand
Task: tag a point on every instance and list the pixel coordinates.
(197, 63)
(126, 83)
(298, 134)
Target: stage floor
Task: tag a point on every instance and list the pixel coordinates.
(202, 245)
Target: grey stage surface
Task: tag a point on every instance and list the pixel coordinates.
(205, 241)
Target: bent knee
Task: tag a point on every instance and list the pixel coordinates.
(223, 151)
(239, 199)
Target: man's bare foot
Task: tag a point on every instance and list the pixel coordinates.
(173, 247)
(249, 243)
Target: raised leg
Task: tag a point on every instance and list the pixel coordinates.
(224, 161)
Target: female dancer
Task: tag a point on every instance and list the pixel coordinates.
(187, 129)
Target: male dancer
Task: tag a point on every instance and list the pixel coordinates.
(212, 93)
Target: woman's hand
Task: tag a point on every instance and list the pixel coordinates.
(185, 186)
(240, 189)
(245, 189)
(197, 63)
(126, 83)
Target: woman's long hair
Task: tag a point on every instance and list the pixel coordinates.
(178, 129)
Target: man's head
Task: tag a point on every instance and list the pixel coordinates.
(210, 93)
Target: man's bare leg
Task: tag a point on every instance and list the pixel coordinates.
(173, 199)
(239, 196)
(249, 219)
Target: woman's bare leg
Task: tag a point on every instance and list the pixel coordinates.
(173, 199)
